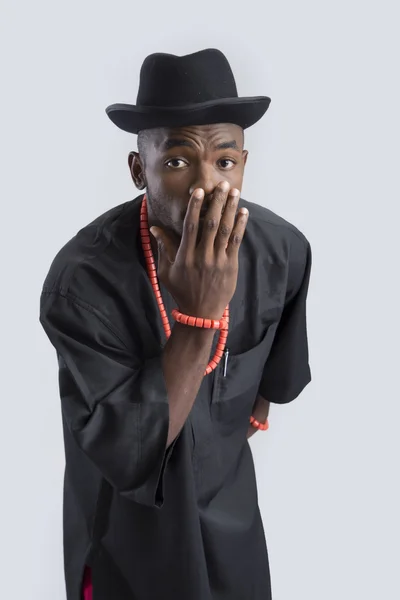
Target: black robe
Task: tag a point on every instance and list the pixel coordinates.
(182, 523)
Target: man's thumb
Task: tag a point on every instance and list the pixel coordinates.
(160, 239)
(157, 233)
(164, 245)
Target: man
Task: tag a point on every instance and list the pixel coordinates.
(157, 405)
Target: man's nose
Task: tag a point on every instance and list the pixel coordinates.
(207, 179)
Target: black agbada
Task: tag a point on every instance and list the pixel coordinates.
(181, 524)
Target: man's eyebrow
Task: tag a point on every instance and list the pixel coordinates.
(228, 146)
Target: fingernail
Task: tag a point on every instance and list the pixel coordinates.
(244, 211)
(235, 193)
(199, 193)
(225, 186)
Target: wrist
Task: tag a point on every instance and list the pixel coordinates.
(202, 313)
(197, 334)
(200, 322)
(262, 426)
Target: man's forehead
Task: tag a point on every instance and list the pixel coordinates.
(211, 135)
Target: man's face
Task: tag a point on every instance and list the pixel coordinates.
(179, 160)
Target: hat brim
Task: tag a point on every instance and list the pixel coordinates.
(244, 112)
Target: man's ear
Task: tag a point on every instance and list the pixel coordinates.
(137, 171)
(245, 155)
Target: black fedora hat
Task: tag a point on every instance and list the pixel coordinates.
(195, 89)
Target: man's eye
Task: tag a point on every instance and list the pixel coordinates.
(176, 163)
(227, 163)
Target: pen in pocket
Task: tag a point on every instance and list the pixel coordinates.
(226, 356)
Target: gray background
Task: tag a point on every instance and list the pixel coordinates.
(325, 157)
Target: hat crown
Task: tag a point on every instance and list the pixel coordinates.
(167, 80)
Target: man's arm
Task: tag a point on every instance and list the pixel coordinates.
(201, 277)
(260, 412)
(185, 359)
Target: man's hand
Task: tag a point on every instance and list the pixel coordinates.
(202, 277)
(260, 413)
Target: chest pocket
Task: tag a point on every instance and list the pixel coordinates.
(235, 390)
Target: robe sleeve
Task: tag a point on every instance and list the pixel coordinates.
(287, 371)
(115, 405)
